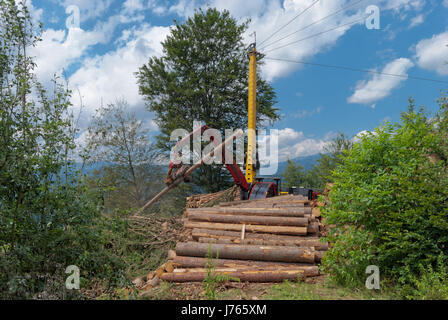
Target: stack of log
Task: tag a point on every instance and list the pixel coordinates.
(210, 199)
(268, 240)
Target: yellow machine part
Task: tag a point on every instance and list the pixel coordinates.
(252, 118)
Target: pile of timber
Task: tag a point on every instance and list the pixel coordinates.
(211, 199)
(268, 240)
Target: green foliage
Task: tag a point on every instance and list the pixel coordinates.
(293, 175)
(203, 75)
(48, 218)
(388, 203)
(321, 173)
(430, 284)
(213, 280)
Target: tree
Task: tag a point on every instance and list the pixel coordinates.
(48, 219)
(120, 143)
(203, 75)
(321, 173)
(388, 203)
(293, 175)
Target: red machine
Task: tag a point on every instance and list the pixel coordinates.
(257, 190)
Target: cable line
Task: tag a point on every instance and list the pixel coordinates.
(305, 10)
(357, 70)
(317, 34)
(313, 23)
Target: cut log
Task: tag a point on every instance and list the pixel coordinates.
(197, 262)
(312, 244)
(246, 275)
(223, 234)
(171, 254)
(313, 228)
(271, 212)
(246, 252)
(243, 219)
(316, 212)
(318, 256)
(287, 198)
(249, 228)
(169, 266)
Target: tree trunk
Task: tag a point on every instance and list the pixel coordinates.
(312, 244)
(196, 262)
(246, 252)
(249, 228)
(242, 275)
(272, 212)
(223, 234)
(242, 219)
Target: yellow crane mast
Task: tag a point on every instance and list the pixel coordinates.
(251, 172)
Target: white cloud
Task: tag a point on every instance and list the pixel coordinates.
(67, 46)
(293, 144)
(184, 8)
(133, 5)
(307, 113)
(103, 79)
(366, 133)
(417, 20)
(445, 3)
(432, 54)
(381, 86)
(268, 16)
(88, 8)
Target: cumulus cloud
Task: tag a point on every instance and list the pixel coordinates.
(103, 79)
(67, 46)
(307, 113)
(88, 8)
(268, 16)
(417, 20)
(381, 85)
(432, 54)
(293, 144)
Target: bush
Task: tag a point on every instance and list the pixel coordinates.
(388, 203)
(432, 283)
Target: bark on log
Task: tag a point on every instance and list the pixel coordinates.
(197, 262)
(223, 234)
(249, 228)
(312, 244)
(286, 198)
(251, 276)
(318, 256)
(243, 219)
(270, 212)
(246, 252)
(313, 228)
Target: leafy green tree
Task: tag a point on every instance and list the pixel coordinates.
(119, 142)
(48, 219)
(293, 175)
(321, 173)
(388, 203)
(203, 75)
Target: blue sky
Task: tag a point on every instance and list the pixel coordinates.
(116, 37)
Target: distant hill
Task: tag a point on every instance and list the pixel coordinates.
(306, 162)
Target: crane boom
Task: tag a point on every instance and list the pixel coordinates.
(252, 118)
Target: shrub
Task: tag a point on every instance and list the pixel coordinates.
(388, 203)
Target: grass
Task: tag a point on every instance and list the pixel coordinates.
(322, 290)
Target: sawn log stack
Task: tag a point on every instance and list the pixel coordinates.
(268, 240)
